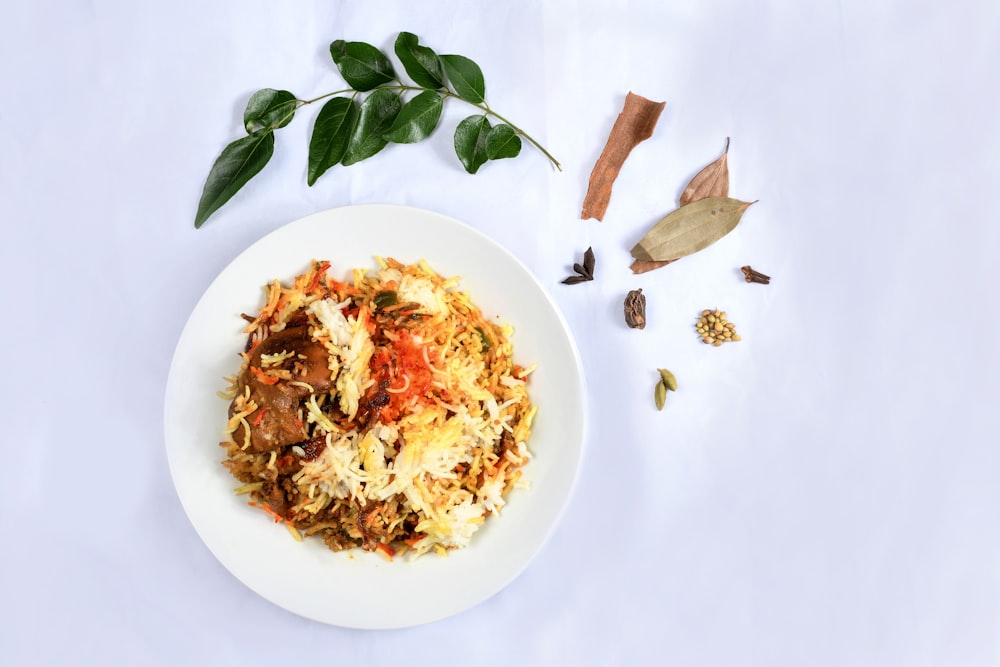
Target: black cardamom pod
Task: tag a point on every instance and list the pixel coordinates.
(635, 309)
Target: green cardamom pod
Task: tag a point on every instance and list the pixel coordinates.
(660, 395)
(668, 379)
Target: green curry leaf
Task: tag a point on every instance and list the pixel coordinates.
(503, 142)
(330, 136)
(466, 78)
(362, 65)
(417, 119)
(420, 62)
(470, 142)
(239, 162)
(378, 112)
(269, 108)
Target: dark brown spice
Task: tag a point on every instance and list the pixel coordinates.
(584, 271)
(588, 262)
(635, 309)
(753, 276)
(313, 448)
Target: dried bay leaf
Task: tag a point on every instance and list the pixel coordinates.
(690, 228)
(644, 265)
(712, 181)
(634, 125)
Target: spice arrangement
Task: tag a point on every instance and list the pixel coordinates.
(705, 214)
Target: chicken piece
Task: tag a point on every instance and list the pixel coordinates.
(276, 422)
(310, 363)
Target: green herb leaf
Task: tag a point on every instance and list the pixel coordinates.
(503, 142)
(690, 228)
(238, 163)
(378, 112)
(362, 65)
(420, 62)
(470, 142)
(466, 78)
(484, 339)
(332, 131)
(384, 299)
(417, 119)
(269, 108)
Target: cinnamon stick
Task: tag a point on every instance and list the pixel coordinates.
(634, 124)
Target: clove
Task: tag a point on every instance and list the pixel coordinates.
(753, 276)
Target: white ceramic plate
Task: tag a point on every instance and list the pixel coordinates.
(358, 589)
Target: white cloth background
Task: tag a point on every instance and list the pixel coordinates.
(823, 493)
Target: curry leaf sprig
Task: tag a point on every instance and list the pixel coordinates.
(379, 108)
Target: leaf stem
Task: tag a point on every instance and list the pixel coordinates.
(447, 93)
(301, 103)
(323, 97)
(491, 112)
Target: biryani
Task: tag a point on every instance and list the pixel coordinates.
(384, 412)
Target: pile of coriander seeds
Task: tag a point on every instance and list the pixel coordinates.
(715, 329)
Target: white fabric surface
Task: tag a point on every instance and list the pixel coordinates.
(823, 493)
